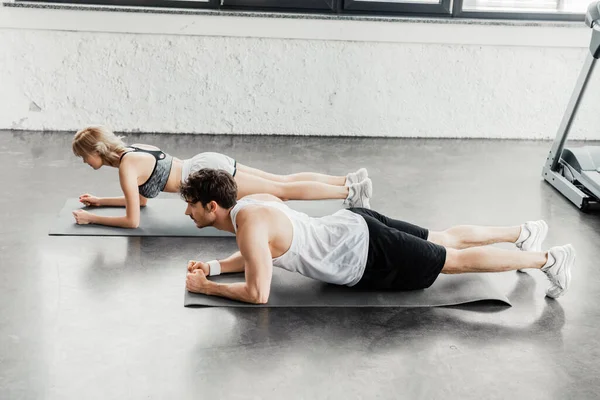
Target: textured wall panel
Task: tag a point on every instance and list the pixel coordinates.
(53, 80)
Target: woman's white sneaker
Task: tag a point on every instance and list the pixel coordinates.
(356, 177)
(533, 234)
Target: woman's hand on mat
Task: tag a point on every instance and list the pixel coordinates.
(83, 217)
(89, 200)
(196, 281)
(194, 265)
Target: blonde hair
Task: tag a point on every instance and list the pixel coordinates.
(97, 138)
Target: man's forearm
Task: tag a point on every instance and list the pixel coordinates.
(233, 263)
(236, 291)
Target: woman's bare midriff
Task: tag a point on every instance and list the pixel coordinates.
(174, 181)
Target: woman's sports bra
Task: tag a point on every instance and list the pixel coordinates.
(160, 174)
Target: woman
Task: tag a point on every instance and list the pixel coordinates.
(145, 171)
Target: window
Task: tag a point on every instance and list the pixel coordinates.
(287, 5)
(573, 10)
(523, 9)
(423, 7)
(138, 3)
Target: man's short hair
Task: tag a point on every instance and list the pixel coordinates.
(208, 185)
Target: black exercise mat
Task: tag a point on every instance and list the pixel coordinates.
(164, 217)
(294, 290)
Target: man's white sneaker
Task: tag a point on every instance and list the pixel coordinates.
(558, 269)
(533, 234)
(359, 194)
(356, 177)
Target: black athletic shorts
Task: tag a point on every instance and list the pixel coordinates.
(400, 257)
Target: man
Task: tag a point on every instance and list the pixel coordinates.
(354, 247)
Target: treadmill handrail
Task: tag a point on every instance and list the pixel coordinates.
(595, 43)
(592, 17)
(569, 116)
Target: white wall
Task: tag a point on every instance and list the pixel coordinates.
(409, 79)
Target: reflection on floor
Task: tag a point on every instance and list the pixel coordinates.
(103, 317)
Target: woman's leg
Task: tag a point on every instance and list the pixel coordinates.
(252, 184)
(300, 177)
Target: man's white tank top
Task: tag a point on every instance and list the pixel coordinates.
(330, 249)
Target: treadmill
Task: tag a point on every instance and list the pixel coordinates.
(575, 172)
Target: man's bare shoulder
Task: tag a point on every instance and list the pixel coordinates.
(263, 197)
(258, 221)
(260, 216)
(253, 213)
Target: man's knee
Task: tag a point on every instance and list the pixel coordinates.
(446, 239)
(439, 238)
(453, 262)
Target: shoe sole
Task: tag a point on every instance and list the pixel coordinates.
(569, 262)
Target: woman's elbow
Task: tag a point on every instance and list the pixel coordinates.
(132, 224)
(258, 296)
